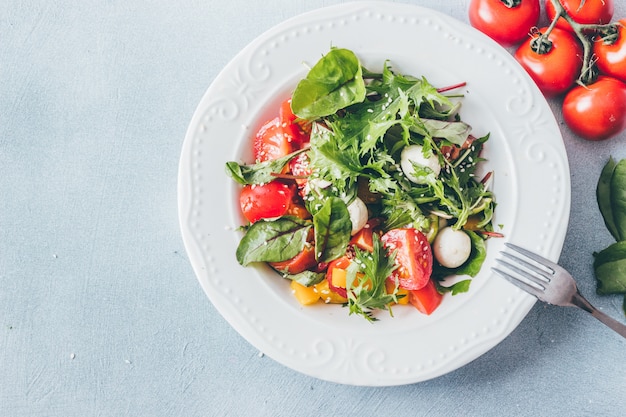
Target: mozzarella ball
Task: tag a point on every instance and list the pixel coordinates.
(414, 155)
(358, 214)
(452, 247)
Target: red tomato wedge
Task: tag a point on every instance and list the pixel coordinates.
(414, 257)
(266, 201)
(427, 299)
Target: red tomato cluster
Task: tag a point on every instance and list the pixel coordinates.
(581, 60)
(283, 135)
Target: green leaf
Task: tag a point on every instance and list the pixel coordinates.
(332, 227)
(610, 269)
(307, 278)
(459, 287)
(618, 199)
(365, 281)
(335, 82)
(273, 241)
(260, 173)
(603, 196)
(455, 132)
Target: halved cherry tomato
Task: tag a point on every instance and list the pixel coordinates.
(597, 12)
(596, 111)
(556, 70)
(271, 141)
(265, 201)
(507, 25)
(299, 263)
(426, 299)
(413, 255)
(611, 59)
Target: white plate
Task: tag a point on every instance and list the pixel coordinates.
(525, 150)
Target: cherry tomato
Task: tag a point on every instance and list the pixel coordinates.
(611, 59)
(506, 25)
(299, 263)
(596, 12)
(413, 255)
(266, 201)
(556, 70)
(426, 299)
(596, 111)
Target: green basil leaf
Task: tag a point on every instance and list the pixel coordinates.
(332, 227)
(273, 241)
(610, 269)
(335, 82)
(618, 199)
(307, 278)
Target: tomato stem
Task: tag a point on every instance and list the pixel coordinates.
(511, 3)
(589, 71)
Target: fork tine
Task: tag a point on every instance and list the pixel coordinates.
(544, 274)
(519, 283)
(539, 259)
(525, 275)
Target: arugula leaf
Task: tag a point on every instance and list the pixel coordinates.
(273, 240)
(365, 281)
(335, 82)
(332, 228)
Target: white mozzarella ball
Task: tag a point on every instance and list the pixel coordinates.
(414, 155)
(452, 247)
(358, 214)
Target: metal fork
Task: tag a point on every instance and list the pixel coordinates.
(548, 282)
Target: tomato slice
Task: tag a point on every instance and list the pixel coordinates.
(414, 257)
(299, 167)
(299, 263)
(266, 201)
(364, 238)
(271, 142)
(426, 299)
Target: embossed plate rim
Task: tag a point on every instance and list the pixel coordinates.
(324, 341)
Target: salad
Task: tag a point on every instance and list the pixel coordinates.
(364, 190)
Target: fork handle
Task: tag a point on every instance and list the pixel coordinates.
(580, 301)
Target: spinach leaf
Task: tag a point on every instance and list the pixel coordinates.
(610, 269)
(335, 82)
(332, 227)
(273, 241)
(307, 278)
(603, 195)
(618, 198)
(456, 288)
(260, 173)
